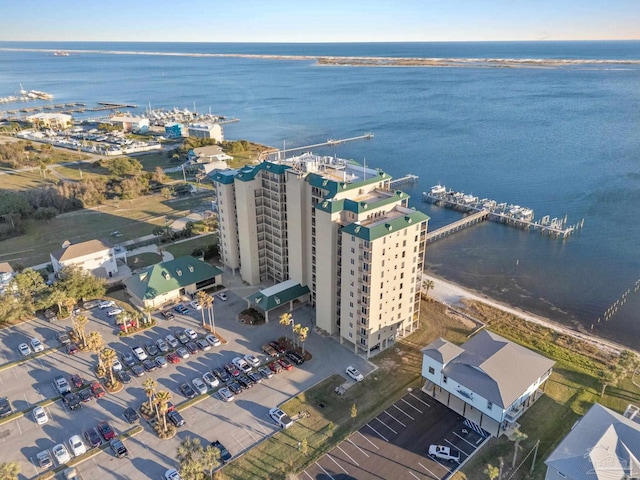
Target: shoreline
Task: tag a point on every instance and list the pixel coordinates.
(452, 294)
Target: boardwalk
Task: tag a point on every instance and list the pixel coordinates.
(457, 226)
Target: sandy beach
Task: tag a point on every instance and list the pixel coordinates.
(454, 295)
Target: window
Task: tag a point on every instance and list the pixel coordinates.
(432, 371)
(363, 331)
(444, 379)
(489, 405)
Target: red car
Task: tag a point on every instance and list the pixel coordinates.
(232, 370)
(97, 391)
(77, 380)
(285, 363)
(173, 357)
(107, 432)
(72, 349)
(275, 367)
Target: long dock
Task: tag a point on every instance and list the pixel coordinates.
(407, 179)
(509, 214)
(329, 143)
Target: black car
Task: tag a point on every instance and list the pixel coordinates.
(192, 347)
(168, 315)
(119, 450)
(72, 401)
(5, 407)
(85, 395)
(295, 358)
(175, 418)
(149, 365)
(235, 387)
(130, 415)
(151, 349)
(203, 344)
(93, 437)
(225, 456)
(187, 391)
(221, 374)
(128, 359)
(124, 377)
(137, 370)
(279, 348)
(255, 377)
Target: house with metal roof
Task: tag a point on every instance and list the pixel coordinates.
(95, 256)
(602, 445)
(281, 294)
(168, 281)
(489, 380)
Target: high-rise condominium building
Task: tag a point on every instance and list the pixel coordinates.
(336, 227)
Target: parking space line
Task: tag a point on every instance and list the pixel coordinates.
(395, 419)
(465, 440)
(430, 472)
(305, 472)
(457, 448)
(236, 438)
(386, 425)
(250, 434)
(413, 475)
(350, 457)
(441, 464)
(325, 472)
(368, 441)
(361, 451)
(379, 434)
(415, 408)
(339, 466)
(394, 405)
(18, 425)
(420, 400)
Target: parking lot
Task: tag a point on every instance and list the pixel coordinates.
(395, 444)
(239, 424)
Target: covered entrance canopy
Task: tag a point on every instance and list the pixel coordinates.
(278, 295)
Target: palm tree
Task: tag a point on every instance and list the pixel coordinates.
(210, 459)
(492, 472)
(209, 306)
(201, 298)
(162, 401)
(108, 359)
(69, 303)
(58, 297)
(150, 386)
(95, 344)
(9, 470)
(79, 325)
(518, 437)
(287, 319)
(147, 310)
(427, 285)
(123, 319)
(303, 333)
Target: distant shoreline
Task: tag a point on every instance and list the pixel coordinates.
(368, 61)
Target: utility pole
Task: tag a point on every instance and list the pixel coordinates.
(535, 454)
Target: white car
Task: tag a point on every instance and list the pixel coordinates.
(225, 394)
(213, 340)
(444, 453)
(195, 305)
(139, 353)
(242, 364)
(77, 446)
(280, 417)
(189, 332)
(252, 360)
(37, 345)
(199, 386)
(117, 366)
(354, 373)
(61, 454)
(24, 349)
(172, 474)
(172, 341)
(40, 416)
(211, 380)
(114, 312)
(222, 296)
(106, 304)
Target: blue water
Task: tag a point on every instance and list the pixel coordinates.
(558, 140)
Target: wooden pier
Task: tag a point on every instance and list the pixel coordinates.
(457, 226)
(407, 179)
(329, 143)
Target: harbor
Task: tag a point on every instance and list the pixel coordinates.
(488, 209)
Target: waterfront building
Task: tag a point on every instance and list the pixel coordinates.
(54, 121)
(206, 130)
(335, 228)
(174, 130)
(206, 159)
(131, 124)
(95, 256)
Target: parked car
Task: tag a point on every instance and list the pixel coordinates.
(40, 416)
(72, 349)
(106, 304)
(92, 437)
(242, 364)
(280, 417)
(172, 474)
(182, 352)
(114, 312)
(255, 377)
(124, 377)
(180, 335)
(5, 407)
(151, 349)
(354, 373)
(244, 381)
(213, 340)
(64, 338)
(222, 375)
(265, 372)
(172, 341)
(195, 305)
(192, 347)
(77, 446)
(107, 432)
(36, 345)
(173, 357)
(50, 315)
(225, 394)
(275, 367)
(139, 353)
(149, 365)
(444, 453)
(24, 349)
(252, 360)
(295, 358)
(85, 395)
(77, 380)
(211, 380)
(117, 366)
(97, 390)
(90, 304)
(234, 386)
(61, 384)
(130, 415)
(161, 362)
(118, 448)
(168, 315)
(222, 296)
(44, 459)
(191, 333)
(187, 391)
(72, 401)
(225, 456)
(269, 350)
(231, 369)
(285, 363)
(70, 474)
(175, 418)
(128, 359)
(203, 345)
(61, 454)
(162, 345)
(279, 348)
(199, 386)
(179, 308)
(137, 370)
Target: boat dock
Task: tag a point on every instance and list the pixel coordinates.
(67, 108)
(329, 143)
(407, 179)
(487, 209)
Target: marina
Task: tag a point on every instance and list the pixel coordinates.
(488, 209)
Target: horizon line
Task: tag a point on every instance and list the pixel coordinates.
(326, 42)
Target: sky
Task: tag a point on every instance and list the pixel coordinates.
(318, 20)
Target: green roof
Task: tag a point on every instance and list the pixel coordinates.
(278, 295)
(249, 173)
(168, 276)
(225, 176)
(332, 187)
(384, 228)
(332, 206)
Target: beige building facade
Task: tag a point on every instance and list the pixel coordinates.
(336, 227)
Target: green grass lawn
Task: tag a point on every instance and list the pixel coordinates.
(143, 260)
(187, 247)
(25, 180)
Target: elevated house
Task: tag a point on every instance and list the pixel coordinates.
(95, 256)
(603, 445)
(206, 130)
(168, 281)
(489, 380)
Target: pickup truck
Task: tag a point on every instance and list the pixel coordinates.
(5, 407)
(64, 338)
(119, 450)
(444, 453)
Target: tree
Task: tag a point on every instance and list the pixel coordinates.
(121, 166)
(303, 333)
(609, 375)
(304, 447)
(427, 285)
(518, 437)
(190, 455)
(31, 289)
(79, 326)
(95, 343)
(147, 311)
(203, 299)
(492, 472)
(150, 386)
(108, 359)
(166, 192)
(210, 459)
(286, 319)
(57, 296)
(123, 319)
(159, 175)
(80, 284)
(162, 401)
(9, 470)
(69, 303)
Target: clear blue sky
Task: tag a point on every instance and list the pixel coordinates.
(318, 20)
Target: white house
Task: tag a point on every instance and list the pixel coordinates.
(131, 124)
(206, 130)
(603, 445)
(207, 159)
(94, 256)
(488, 380)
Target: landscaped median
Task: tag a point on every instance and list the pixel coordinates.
(32, 356)
(132, 432)
(26, 411)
